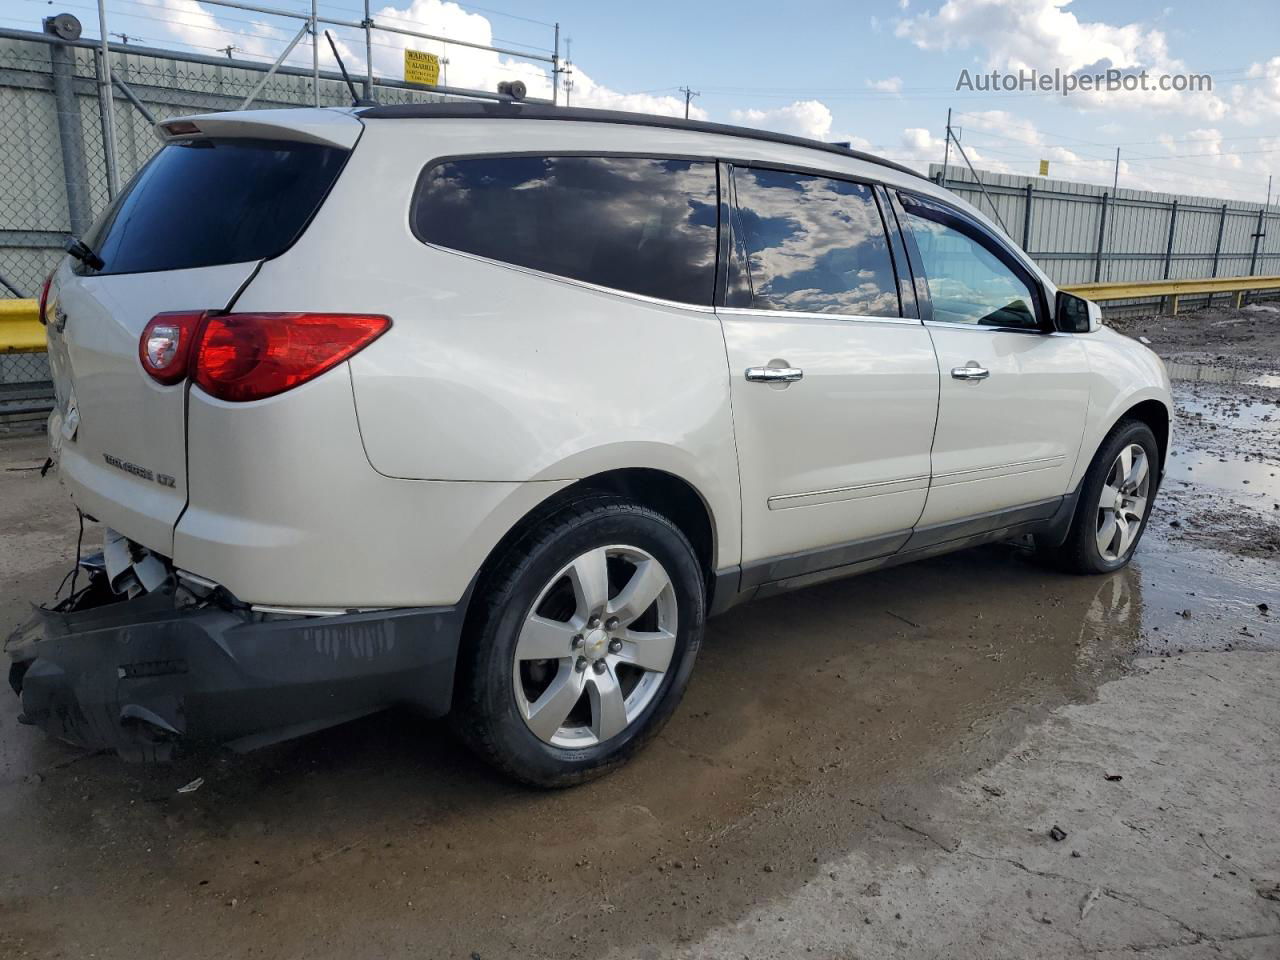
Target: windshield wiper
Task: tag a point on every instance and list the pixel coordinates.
(84, 253)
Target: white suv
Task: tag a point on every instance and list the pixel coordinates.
(484, 409)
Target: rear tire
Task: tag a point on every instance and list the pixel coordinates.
(1115, 502)
(581, 642)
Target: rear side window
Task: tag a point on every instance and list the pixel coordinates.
(642, 225)
(809, 244)
(207, 202)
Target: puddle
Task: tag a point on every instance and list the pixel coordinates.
(1257, 415)
(1193, 599)
(1214, 373)
(1247, 478)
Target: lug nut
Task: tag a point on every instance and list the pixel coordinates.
(593, 622)
(615, 646)
(581, 664)
(612, 624)
(599, 666)
(577, 641)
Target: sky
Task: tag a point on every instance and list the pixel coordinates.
(879, 74)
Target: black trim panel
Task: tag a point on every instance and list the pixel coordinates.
(818, 561)
(533, 111)
(940, 533)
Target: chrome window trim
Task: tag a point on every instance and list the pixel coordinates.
(986, 328)
(803, 315)
(598, 288)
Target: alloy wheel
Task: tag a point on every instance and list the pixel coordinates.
(1123, 502)
(595, 646)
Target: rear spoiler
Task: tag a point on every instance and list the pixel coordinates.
(326, 126)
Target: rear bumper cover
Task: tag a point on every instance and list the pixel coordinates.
(140, 676)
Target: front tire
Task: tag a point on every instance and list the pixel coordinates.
(582, 641)
(1115, 501)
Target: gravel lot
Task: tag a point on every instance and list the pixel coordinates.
(871, 768)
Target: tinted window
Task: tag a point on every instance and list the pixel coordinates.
(967, 282)
(643, 225)
(208, 202)
(809, 244)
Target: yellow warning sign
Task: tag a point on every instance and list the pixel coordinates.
(1044, 164)
(423, 68)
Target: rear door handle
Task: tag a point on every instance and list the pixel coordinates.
(970, 371)
(774, 374)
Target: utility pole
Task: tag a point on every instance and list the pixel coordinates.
(1268, 203)
(1115, 181)
(568, 70)
(688, 95)
(124, 37)
(228, 50)
(946, 150)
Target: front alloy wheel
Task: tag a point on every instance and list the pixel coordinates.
(1122, 505)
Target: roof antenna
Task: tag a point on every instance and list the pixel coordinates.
(356, 99)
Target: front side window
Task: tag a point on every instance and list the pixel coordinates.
(647, 226)
(810, 244)
(967, 282)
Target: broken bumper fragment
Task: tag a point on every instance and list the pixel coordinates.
(142, 675)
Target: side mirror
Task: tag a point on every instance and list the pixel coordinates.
(1074, 314)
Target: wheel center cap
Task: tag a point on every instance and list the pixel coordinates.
(595, 644)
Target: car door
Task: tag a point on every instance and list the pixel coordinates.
(1013, 393)
(834, 390)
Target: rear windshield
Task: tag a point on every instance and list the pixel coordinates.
(206, 202)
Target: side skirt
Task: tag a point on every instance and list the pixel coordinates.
(1048, 519)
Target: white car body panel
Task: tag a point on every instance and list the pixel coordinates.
(286, 515)
(843, 454)
(388, 480)
(1011, 439)
(123, 413)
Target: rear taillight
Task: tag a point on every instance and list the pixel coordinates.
(166, 345)
(249, 356)
(44, 299)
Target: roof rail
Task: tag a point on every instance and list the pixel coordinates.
(532, 111)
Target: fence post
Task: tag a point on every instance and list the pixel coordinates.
(367, 23)
(75, 173)
(1102, 233)
(106, 104)
(1026, 218)
(1168, 253)
(1217, 250)
(1257, 240)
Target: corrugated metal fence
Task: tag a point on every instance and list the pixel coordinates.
(1081, 233)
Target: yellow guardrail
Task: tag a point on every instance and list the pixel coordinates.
(20, 327)
(1173, 289)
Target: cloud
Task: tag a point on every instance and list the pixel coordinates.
(887, 85)
(1044, 35)
(805, 118)
(1259, 99)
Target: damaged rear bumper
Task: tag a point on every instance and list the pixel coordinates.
(140, 676)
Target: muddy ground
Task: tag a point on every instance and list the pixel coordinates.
(870, 768)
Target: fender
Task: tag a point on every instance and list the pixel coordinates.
(719, 494)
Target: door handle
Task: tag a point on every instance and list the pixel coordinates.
(774, 374)
(970, 371)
